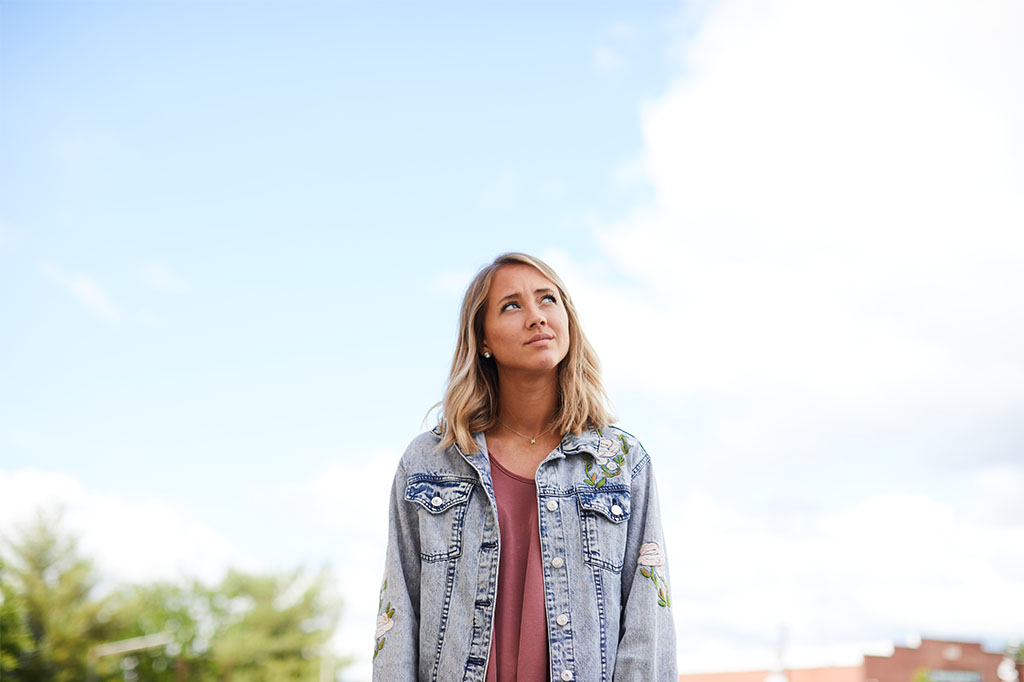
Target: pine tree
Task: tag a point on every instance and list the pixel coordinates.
(53, 610)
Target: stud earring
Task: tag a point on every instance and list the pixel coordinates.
(487, 354)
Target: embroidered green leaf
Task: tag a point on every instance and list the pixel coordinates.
(601, 483)
(391, 613)
(645, 572)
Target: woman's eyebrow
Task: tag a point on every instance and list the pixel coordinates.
(539, 292)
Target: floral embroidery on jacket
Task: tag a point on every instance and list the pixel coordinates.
(384, 620)
(652, 556)
(609, 460)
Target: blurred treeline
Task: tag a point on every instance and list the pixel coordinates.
(61, 621)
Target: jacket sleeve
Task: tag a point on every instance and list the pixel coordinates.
(647, 637)
(396, 645)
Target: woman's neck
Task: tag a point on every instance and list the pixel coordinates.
(528, 404)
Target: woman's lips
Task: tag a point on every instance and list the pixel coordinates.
(540, 338)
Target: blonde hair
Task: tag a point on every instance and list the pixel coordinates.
(470, 403)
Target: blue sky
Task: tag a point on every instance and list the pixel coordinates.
(300, 176)
(233, 239)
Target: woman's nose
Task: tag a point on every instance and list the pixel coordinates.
(537, 318)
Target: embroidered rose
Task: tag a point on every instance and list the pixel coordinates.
(384, 623)
(606, 451)
(651, 555)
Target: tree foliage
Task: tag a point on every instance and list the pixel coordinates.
(246, 628)
(56, 615)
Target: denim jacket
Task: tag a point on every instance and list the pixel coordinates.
(606, 580)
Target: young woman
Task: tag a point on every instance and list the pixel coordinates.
(525, 539)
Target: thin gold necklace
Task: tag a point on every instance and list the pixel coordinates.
(533, 441)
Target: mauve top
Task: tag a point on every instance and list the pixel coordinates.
(519, 649)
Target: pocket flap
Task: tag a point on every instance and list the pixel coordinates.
(437, 495)
(612, 504)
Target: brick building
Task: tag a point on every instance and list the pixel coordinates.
(943, 661)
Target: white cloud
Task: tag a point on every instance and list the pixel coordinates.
(834, 228)
(877, 566)
(131, 539)
(349, 505)
(85, 289)
(831, 257)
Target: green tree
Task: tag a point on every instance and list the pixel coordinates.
(247, 628)
(155, 608)
(51, 588)
(271, 627)
(14, 637)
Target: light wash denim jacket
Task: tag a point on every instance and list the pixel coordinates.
(606, 581)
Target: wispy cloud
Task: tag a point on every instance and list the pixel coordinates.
(622, 30)
(85, 289)
(607, 59)
(161, 277)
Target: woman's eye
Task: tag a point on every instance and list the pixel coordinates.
(550, 297)
(509, 305)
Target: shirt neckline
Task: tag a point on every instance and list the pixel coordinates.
(506, 472)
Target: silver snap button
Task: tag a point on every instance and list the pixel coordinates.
(562, 619)
(567, 675)
(557, 562)
(616, 509)
(552, 505)
(437, 501)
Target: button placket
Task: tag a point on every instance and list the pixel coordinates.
(553, 548)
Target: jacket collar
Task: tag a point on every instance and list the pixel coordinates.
(572, 444)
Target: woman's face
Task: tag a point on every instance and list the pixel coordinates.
(526, 327)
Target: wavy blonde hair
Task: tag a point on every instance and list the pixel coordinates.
(470, 403)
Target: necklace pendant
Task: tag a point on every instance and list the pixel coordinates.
(533, 441)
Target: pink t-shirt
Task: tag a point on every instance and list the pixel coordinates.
(519, 651)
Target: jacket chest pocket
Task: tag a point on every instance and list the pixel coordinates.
(442, 506)
(604, 516)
